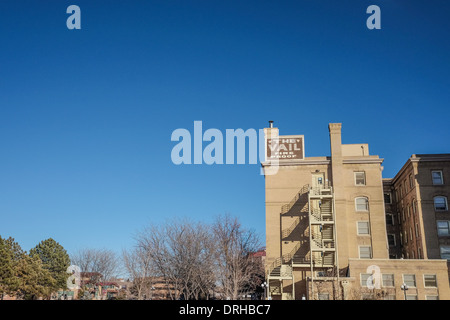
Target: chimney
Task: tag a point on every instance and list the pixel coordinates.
(335, 140)
(336, 156)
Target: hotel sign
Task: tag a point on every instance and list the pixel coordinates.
(286, 148)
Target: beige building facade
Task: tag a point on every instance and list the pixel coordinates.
(328, 232)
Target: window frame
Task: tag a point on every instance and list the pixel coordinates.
(395, 240)
(435, 280)
(447, 228)
(392, 219)
(411, 181)
(390, 197)
(356, 179)
(358, 229)
(383, 281)
(410, 274)
(447, 247)
(323, 294)
(367, 207)
(441, 174)
(365, 281)
(445, 204)
(370, 251)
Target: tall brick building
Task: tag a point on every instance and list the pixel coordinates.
(335, 229)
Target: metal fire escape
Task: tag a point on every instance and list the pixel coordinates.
(322, 233)
(319, 253)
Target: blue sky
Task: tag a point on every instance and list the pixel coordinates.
(86, 115)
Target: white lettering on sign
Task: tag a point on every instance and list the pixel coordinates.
(285, 148)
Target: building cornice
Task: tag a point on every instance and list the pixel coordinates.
(283, 163)
(326, 161)
(362, 160)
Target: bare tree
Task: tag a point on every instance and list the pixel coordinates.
(197, 260)
(98, 262)
(235, 265)
(152, 240)
(182, 253)
(139, 266)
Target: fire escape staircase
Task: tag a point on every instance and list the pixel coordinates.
(321, 238)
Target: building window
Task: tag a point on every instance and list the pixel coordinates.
(411, 181)
(387, 280)
(363, 228)
(362, 204)
(391, 240)
(443, 228)
(414, 206)
(419, 253)
(365, 252)
(431, 297)
(409, 280)
(417, 230)
(445, 252)
(389, 219)
(410, 234)
(387, 198)
(389, 297)
(411, 297)
(324, 296)
(406, 237)
(364, 278)
(437, 177)
(360, 178)
(440, 203)
(430, 281)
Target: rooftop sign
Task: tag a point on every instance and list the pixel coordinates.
(286, 148)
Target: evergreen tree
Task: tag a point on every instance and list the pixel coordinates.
(8, 280)
(34, 280)
(55, 260)
(25, 276)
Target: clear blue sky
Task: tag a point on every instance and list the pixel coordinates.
(86, 115)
